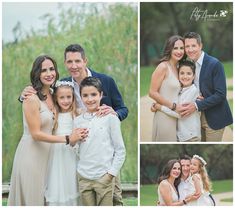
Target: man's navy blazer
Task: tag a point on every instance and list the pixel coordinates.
(111, 94)
(212, 83)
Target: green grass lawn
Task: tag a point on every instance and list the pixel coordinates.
(146, 72)
(148, 193)
(132, 201)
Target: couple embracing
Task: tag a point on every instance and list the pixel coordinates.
(185, 182)
(190, 93)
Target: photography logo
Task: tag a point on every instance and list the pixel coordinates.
(205, 15)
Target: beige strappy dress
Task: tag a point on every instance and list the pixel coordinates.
(30, 165)
(164, 126)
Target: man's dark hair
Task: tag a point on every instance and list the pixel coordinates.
(194, 35)
(184, 157)
(75, 48)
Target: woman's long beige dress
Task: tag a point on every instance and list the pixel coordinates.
(164, 126)
(30, 165)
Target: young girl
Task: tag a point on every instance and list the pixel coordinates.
(61, 179)
(200, 181)
(188, 128)
(103, 153)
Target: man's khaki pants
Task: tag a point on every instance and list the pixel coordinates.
(208, 134)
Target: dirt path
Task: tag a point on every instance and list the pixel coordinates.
(146, 118)
(219, 197)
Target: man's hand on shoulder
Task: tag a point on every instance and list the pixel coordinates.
(105, 110)
(27, 92)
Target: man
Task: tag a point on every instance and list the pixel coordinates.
(183, 187)
(76, 63)
(211, 82)
(185, 184)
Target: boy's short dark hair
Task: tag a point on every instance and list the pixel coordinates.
(75, 48)
(188, 63)
(91, 81)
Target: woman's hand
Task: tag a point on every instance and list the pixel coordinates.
(79, 134)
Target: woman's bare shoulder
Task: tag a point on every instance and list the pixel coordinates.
(164, 183)
(162, 67)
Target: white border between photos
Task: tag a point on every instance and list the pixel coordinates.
(139, 142)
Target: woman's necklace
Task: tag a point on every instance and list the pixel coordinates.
(88, 116)
(50, 105)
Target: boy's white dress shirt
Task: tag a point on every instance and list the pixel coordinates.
(103, 151)
(190, 126)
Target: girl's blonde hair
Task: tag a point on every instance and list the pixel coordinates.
(207, 186)
(73, 108)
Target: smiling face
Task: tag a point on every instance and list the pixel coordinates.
(177, 52)
(91, 98)
(185, 164)
(176, 170)
(193, 49)
(186, 76)
(76, 65)
(48, 73)
(64, 98)
(195, 166)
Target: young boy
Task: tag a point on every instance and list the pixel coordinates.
(102, 153)
(188, 128)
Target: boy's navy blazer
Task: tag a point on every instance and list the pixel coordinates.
(212, 84)
(111, 94)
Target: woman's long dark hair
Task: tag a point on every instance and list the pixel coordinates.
(166, 173)
(36, 72)
(169, 45)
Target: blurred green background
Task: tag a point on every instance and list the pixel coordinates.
(108, 33)
(160, 20)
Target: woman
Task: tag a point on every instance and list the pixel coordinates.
(31, 157)
(164, 89)
(168, 185)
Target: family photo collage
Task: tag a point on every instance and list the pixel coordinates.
(126, 103)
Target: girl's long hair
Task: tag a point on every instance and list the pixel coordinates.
(207, 186)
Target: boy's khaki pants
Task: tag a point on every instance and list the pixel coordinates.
(96, 192)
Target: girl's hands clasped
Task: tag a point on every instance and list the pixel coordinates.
(78, 134)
